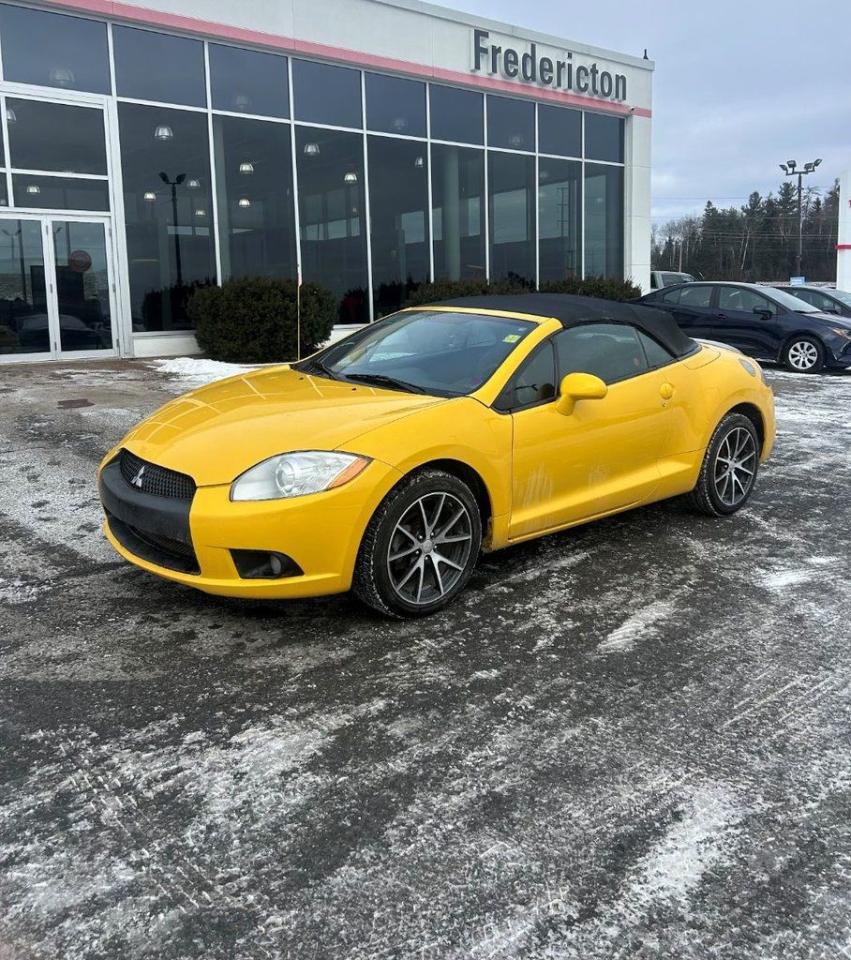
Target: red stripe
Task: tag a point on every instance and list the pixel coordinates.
(109, 8)
(843, 246)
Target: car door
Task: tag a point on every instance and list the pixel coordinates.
(693, 309)
(605, 454)
(749, 321)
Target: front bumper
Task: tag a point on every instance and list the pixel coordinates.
(321, 533)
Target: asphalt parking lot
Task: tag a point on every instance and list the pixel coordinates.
(627, 740)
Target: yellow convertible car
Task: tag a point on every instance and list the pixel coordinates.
(387, 462)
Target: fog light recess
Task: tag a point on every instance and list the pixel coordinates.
(264, 565)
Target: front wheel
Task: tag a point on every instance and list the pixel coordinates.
(420, 547)
(729, 469)
(804, 355)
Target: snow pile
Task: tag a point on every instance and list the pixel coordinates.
(197, 372)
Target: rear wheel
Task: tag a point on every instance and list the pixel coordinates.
(804, 355)
(420, 547)
(729, 469)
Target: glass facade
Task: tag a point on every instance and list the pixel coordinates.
(237, 162)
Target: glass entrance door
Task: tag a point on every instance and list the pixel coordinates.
(56, 297)
(82, 287)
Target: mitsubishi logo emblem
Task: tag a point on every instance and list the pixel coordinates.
(137, 480)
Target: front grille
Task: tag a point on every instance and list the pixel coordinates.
(149, 478)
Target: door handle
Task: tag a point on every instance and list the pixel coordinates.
(666, 391)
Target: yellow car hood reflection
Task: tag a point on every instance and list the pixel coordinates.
(217, 432)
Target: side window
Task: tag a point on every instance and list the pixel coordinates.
(611, 351)
(696, 296)
(736, 298)
(534, 382)
(670, 296)
(657, 355)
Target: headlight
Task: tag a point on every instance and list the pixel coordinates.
(296, 475)
(843, 332)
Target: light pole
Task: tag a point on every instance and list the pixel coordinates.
(174, 184)
(791, 169)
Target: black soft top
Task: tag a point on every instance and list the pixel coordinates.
(572, 311)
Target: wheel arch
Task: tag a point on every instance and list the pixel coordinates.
(801, 335)
(754, 414)
(469, 475)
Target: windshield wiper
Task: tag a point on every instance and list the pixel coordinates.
(383, 381)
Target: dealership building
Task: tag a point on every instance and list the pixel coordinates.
(365, 145)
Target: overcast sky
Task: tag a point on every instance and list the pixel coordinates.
(740, 86)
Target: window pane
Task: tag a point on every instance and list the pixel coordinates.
(394, 105)
(559, 209)
(169, 244)
(736, 298)
(511, 123)
(535, 383)
(458, 217)
(64, 193)
(603, 221)
(511, 182)
(53, 50)
(23, 296)
(255, 197)
(82, 285)
(603, 137)
(323, 93)
(331, 204)
(56, 136)
(398, 220)
(4, 199)
(696, 296)
(559, 131)
(610, 351)
(247, 81)
(657, 355)
(156, 66)
(456, 115)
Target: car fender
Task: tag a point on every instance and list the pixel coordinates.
(463, 430)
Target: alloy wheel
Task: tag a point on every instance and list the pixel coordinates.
(803, 355)
(735, 467)
(430, 548)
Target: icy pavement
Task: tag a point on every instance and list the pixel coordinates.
(626, 741)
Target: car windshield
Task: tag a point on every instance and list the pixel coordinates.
(791, 303)
(441, 352)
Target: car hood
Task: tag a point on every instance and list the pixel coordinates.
(217, 432)
(834, 319)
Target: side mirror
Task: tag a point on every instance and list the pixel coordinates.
(579, 386)
(763, 312)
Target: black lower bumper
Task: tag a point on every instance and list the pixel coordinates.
(150, 527)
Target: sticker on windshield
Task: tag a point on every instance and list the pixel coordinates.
(511, 338)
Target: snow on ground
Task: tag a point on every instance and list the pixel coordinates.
(626, 741)
(195, 371)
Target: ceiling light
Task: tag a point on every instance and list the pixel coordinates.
(244, 202)
(351, 177)
(163, 132)
(193, 184)
(150, 196)
(200, 213)
(62, 76)
(419, 162)
(246, 167)
(241, 101)
(311, 149)
(33, 188)
(400, 123)
(516, 140)
(11, 116)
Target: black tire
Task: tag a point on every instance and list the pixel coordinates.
(711, 494)
(378, 577)
(803, 355)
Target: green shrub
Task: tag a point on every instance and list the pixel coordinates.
(254, 319)
(603, 287)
